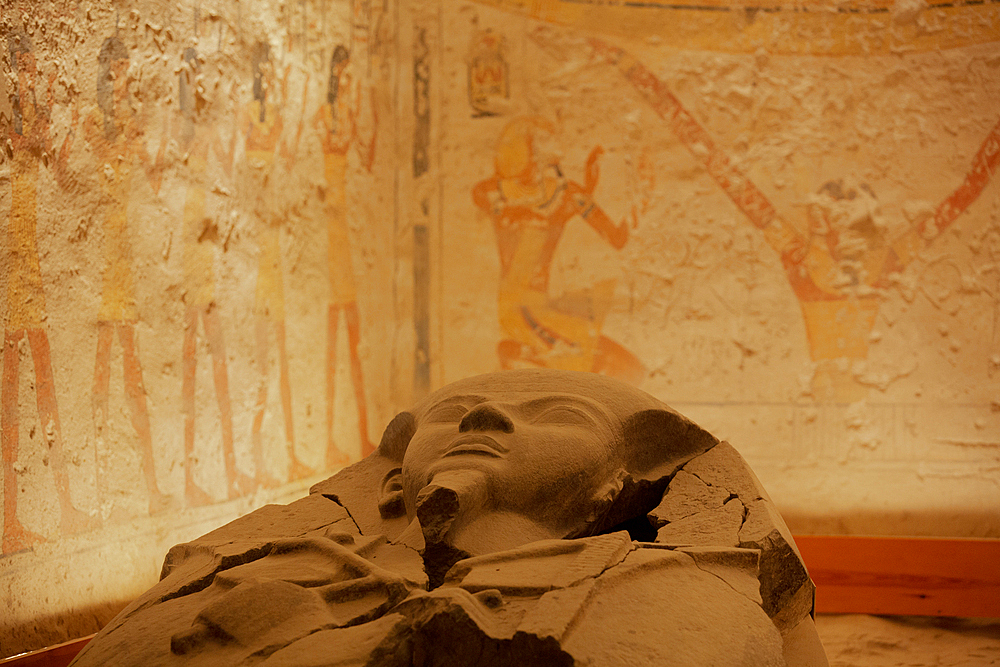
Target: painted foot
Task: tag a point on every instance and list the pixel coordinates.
(267, 482)
(366, 448)
(160, 502)
(298, 470)
(241, 485)
(18, 538)
(118, 516)
(336, 458)
(74, 521)
(195, 496)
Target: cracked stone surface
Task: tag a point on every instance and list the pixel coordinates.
(714, 527)
(506, 519)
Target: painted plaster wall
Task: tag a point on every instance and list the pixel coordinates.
(782, 220)
(196, 280)
(753, 171)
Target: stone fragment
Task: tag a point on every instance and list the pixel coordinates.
(685, 496)
(542, 566)
(785, 587)
(659, 608)
(272, 522)
(718, 527)
(737, 567)
(355, 645)
(723, 468)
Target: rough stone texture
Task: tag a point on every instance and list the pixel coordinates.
(718, 527)
(687, 495)
(468, 538)
(787, 592)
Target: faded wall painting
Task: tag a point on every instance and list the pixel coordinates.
(790, 234)
(529, 201)
(185, 192)
(239, 236)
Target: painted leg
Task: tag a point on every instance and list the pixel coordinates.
(334, 457)
(15, 536)
(73, 520)
(135, 394)
(256, 438)
(297, 469)
(239, 484)
(194, 495)
(102, 378)
(357, 379)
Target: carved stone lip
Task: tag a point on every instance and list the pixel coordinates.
(475, 443)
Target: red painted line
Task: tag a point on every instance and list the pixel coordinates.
(984, 164)
(747, 197)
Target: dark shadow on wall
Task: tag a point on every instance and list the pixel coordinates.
(57, 628)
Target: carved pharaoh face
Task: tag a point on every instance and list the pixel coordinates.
(545, 456)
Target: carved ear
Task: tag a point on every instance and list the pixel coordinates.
(658, 442)
(390, 497)
(396, 436)
(605, 498)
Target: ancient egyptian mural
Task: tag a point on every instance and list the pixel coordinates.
(238, 237)
(192, 280)
(781, 218)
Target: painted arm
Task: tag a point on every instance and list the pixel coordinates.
(61, 166)
(985, 162)
(581, 202)
(486, 196)
(737, 185)
(369, 156)
(153, 167)
(224, 153)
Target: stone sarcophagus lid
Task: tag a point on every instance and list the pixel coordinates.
(529, 517)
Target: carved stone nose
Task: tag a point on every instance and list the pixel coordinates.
(486, 417)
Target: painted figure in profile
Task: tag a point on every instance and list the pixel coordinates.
(28, 139)
(116, 136)
(336, 124)
(530, 201)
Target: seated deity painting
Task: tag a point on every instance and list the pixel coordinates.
(527, 517)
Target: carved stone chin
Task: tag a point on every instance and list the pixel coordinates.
(529, 517)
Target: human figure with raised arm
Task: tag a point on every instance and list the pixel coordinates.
(530, 201)
(262, 126)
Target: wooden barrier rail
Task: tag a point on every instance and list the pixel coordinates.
(904, 575)
(865, 575)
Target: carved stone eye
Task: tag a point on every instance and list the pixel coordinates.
(447, 413)
(564, 414)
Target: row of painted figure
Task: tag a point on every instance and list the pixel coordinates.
(114, 135)
(838, 268)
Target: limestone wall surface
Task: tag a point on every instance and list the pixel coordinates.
(781, 219)
(196, 282)
(239, 236)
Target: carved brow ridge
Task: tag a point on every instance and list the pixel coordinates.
(532, 406)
